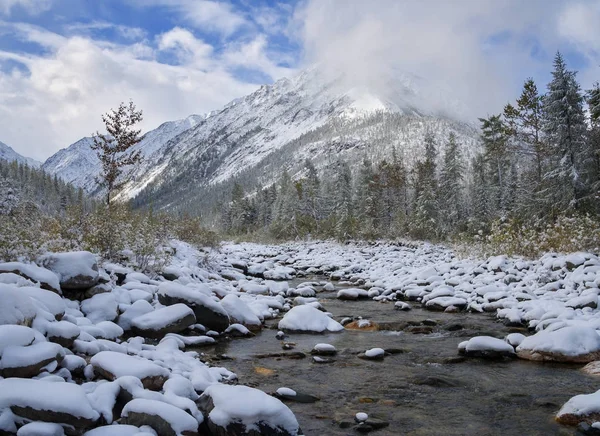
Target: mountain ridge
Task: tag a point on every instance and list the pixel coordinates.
(242, 136)
(9, 154)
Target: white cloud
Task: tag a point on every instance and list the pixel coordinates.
(127, 32)
(580, 24)
(51, 99)
(253, 55)
(64, 93)
(31, 6)
(207, 15)
(480, 49)
(187, 48)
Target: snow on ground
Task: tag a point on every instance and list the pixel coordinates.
(66, 357)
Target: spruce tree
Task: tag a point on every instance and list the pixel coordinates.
(594, 101)
(451, 185)
(424, 219)
(564, 125)
(345, 222)
(497, 156)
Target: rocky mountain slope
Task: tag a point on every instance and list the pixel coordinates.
(79, 165)
(253, 138)
(7, 153)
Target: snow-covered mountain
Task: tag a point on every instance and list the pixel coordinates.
(7, 153)
(312, 115)
(79, 165)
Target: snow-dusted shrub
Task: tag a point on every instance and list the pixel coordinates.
(191, 230)
(566, 234)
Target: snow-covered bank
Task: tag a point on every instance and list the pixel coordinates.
(120, 342)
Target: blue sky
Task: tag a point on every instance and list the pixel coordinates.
(65, 62)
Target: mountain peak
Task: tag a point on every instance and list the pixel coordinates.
(7, 153)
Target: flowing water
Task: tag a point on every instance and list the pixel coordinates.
(424, 390)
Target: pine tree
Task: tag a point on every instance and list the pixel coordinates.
(497, 156)
(594, 101)
(451, 185)
(424, 219)
(346, 222)
(564, 124)
(593, 147)
(312, 197)
(285, 211)
(114, 148)
(480, 207)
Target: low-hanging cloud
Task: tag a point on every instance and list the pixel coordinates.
(477, 51)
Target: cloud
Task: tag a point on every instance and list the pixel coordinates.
(207, 15)
(580, 24)
(30, 6)
(187, 48)
(61, 95)
(127, 32)
(254, 55)
(481, 50)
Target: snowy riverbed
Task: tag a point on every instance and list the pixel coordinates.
(89, 346)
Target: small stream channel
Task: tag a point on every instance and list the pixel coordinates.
(424, 390)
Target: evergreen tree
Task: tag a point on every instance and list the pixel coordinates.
(312, 207)
(594, 101)
(285, 219)
(480, 207)
(497, 159)
(346, 221)
(424, 223)
(593, 147)
(564, 125)
(451, 185)
(113, 149)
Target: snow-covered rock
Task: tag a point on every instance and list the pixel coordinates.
(28, 361)
(170, 319)
(239, 312)
(580, 408)
(76, 270)
(46, 278)
(112, 365)
(46, 401)
(208, 312)
(308, 319)
(486, 347)
(16, 308)
(569, 344)
(242, 410)
(164, 418)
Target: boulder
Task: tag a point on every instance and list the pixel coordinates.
(569, 344)
(352, 294)
(77, 270)
(47, 279)
(170, 319)
(323, 350)
(26, 362)
(307, 319)
(208, 312)
(48, 401)
(239, 312)
(16, 308)
(580, 408)
(244, 411)
(486, 347)
(112, 365)
(165, 419)
(373, 354)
